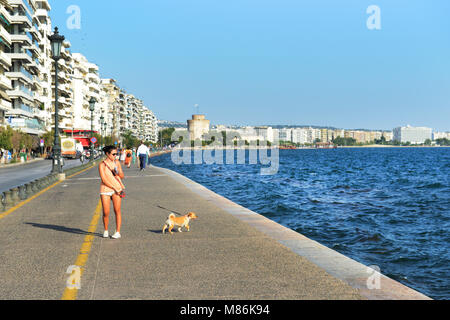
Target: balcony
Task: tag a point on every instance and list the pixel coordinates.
(41, 13)
(21, 56)
(22, 110)
(5, 82)
(21, 19)
(21, 93)
(33, 48)
(21, 38)
(32, 126)
(5, 59)
(5, 105)
(40, 99)
(5, 14)
(5, 35)
(35, 32)
(23, 75)
(93, 77)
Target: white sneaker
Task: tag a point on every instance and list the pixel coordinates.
(106, 234)
(116, 236)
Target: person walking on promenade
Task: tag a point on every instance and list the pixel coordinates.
(128, 156)
(142, 153)
(134, 156)
(111, 188)
(122, 156)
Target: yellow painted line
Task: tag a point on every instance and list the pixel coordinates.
(71, 293)
(21, 204)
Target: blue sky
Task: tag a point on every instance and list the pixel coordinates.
(251, 62)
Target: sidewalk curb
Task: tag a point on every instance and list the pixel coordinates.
(12, 165)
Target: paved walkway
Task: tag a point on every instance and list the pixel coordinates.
(222, 257)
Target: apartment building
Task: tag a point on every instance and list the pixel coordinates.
(111, 113)
(86, 84)
(300, 135)
(45, 91)
(414, 135)
(264, 133)
(66, 112)
(26, 68)
(441, 135)
(123, 113)
(5, 63)
(150, 127)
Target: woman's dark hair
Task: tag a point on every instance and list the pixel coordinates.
(108, 149)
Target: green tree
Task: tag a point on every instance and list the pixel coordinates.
(339, 141)
(49, 138)
(6, 138)
(129, 140)
(165, 137)
(443, 142)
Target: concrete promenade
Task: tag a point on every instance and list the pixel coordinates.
(230, 253)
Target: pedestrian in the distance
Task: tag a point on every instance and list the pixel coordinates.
(128, 156)
(122, 156)
(142, 153)
(111, 188)
(134, 156)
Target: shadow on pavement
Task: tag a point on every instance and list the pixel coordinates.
(61, 228)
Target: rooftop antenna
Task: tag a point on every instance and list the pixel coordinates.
(197, 109)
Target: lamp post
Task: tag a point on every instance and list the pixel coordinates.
(92, 108)
(101, 128)
(56, 41)
(104, 130)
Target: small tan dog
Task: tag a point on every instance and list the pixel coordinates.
(180, 222)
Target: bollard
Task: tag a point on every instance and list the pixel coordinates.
(9, 203)
(2, 202)
(35, 186)
(47, 181)
(29, 189)
(15, 195)
(23, 193)
(40, 184)
(43, 182)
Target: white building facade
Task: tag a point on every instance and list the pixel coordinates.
(414, 135)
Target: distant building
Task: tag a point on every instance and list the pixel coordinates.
(198, 126)
(441, 135)
(264, 133)
(285, 134)
(414, 135)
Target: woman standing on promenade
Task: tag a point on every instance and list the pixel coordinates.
(111, 188)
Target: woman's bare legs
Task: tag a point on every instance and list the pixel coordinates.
(117, 202)
(106, 203)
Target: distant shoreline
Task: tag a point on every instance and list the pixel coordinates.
(302, 148)
(389, 146)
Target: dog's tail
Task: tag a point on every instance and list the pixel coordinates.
(171, 216)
